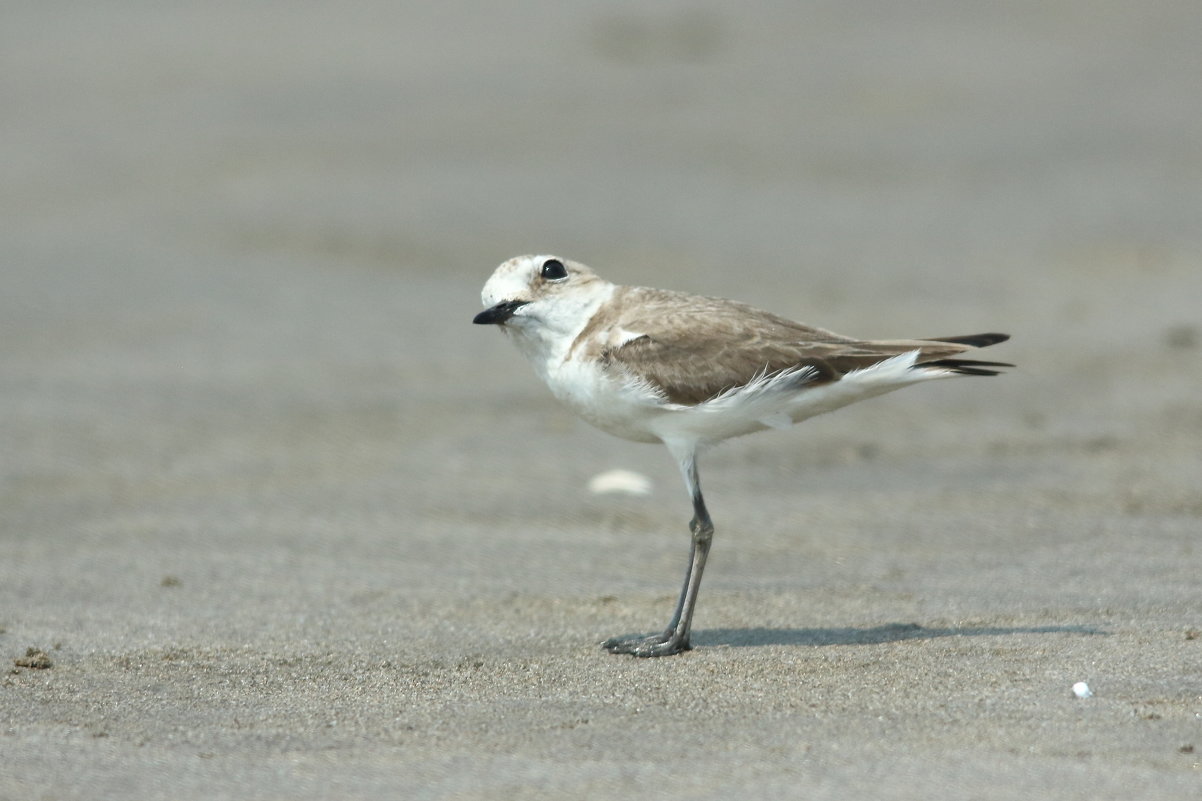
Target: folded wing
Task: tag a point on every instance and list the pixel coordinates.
(693, 348)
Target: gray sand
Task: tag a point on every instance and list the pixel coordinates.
(288, 526)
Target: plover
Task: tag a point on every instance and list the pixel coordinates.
(652, 365)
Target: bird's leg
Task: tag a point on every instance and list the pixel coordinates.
(675, 638)
(702, 529)
(684, 590)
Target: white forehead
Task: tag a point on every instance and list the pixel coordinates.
(512, 280)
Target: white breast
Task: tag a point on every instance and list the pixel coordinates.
(607, 399)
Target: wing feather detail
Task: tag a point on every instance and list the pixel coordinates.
(691, 349)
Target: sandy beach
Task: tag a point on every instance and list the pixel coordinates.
(278, 522)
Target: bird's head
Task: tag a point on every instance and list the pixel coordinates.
(541, 294)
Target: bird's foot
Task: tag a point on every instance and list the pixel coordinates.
(665, 644)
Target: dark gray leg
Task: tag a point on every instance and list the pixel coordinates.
(676, 637)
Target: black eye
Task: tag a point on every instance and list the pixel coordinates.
(553, 270)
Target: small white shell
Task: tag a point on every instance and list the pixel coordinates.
(624, 481)
(1081, 690)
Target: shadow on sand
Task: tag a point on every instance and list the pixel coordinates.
(892, 632)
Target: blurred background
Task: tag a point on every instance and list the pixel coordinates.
(265, 491)
(243, 243)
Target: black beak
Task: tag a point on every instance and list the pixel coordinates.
(499, 313)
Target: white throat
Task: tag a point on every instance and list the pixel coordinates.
(544, 330)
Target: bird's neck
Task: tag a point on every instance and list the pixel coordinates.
(547, 340)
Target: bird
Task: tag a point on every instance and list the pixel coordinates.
(689, 371)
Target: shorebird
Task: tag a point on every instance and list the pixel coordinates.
(652, 365)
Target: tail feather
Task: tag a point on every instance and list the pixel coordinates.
(965, 366)
(960, 366)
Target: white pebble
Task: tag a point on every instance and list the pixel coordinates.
(624, 481)
(1081, 690)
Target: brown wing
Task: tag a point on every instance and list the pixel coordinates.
(693, 348)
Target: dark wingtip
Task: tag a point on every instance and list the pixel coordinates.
(975, 340)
